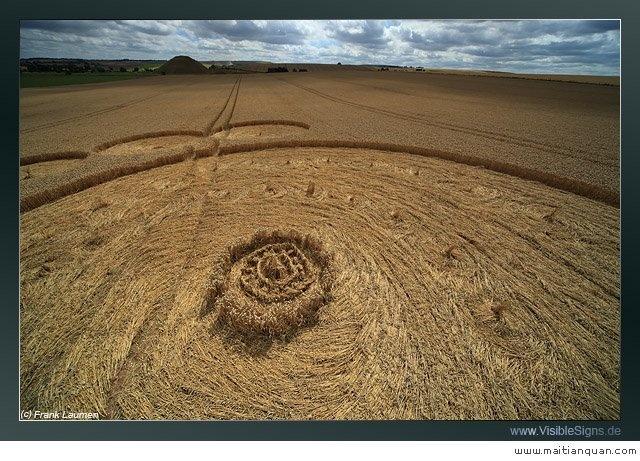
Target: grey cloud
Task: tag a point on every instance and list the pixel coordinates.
(516, 45)
(86, 28)
(145, 27)
(441, 40)
(94, 28)
(367, 33)
(491, 43)
(275, 32)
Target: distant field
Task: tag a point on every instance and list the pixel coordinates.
(591, 79)
(322, 245)
(44, 79)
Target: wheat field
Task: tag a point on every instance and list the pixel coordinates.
(335, 245)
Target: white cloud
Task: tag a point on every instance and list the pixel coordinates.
(563, 46)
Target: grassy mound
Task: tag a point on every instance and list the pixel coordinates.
(182, 65)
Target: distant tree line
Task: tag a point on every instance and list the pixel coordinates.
(71, 66)
(277, 69)
(61, 67)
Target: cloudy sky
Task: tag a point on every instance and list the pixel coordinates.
(541, 46)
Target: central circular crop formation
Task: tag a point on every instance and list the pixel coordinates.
(274, 283)
(276, 272)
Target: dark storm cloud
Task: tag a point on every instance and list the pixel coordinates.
(544, 46)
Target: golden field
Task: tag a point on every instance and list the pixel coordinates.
(326, 245)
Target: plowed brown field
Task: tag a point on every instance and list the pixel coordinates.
(335, 245)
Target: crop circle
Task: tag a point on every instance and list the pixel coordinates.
(275, 272)
(274, 283)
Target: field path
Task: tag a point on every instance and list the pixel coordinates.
(93, 113)
(176, 104)
(224, 114)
